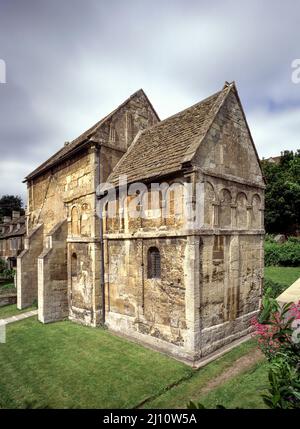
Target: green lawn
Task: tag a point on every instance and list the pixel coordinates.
(7, 288)
(242, 391)
(65, 365)
(190, 389)
(11, 310)
(284, 275)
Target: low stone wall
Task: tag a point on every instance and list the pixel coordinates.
(7, 299)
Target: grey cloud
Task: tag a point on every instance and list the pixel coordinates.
(71, 62)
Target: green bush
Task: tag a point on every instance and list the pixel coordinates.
(2, 265)
(286, 254)
(273, 289)
(9, 274)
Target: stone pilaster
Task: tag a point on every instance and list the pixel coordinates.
(192, 294)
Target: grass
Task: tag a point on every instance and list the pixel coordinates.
(180, 395)
(284, 275)
(65, 365)
(7, 288)
(242, 391)
(11, 310)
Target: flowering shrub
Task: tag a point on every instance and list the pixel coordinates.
(274, 328)
(278, 336)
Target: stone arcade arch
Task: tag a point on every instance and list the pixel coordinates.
(225, 209)
(256, 214)
(241, 210)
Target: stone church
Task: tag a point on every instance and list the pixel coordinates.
(186, 289)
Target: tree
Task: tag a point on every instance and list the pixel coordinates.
(282, 198)
(8, 203)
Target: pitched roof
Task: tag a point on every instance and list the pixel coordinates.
(15, 231)
(80, 141)
(163, 148)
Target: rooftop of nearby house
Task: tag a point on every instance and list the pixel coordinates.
(12, 226)
(273, 159)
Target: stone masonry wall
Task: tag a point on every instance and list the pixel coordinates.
(220, 262)
(227, 150)
(53, 277)
(82, 282)
(67, 192)
(150, 306)
(27, 274)
(47, 193)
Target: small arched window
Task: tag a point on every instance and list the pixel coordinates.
(153, 263)
(74, 265)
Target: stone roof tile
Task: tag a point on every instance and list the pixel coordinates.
(162, 149)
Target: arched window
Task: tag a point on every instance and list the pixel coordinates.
(153, 263)
(74, 265)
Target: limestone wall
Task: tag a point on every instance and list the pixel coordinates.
(53, 276)
(231, 277)
(232, 205)
(27, 274)
(48, 192)
(211, 277)
(151, 306)
(227, 149)
(8, 299)
(84, 281)
(67, 192)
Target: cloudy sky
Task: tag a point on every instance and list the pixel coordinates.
(70, 62)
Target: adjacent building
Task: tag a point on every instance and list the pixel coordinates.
(12, 233)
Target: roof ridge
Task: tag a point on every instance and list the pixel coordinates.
(86, 135)
(181, 112)
(96, 126)
(153, 144)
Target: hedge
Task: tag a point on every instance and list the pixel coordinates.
(286, 254)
